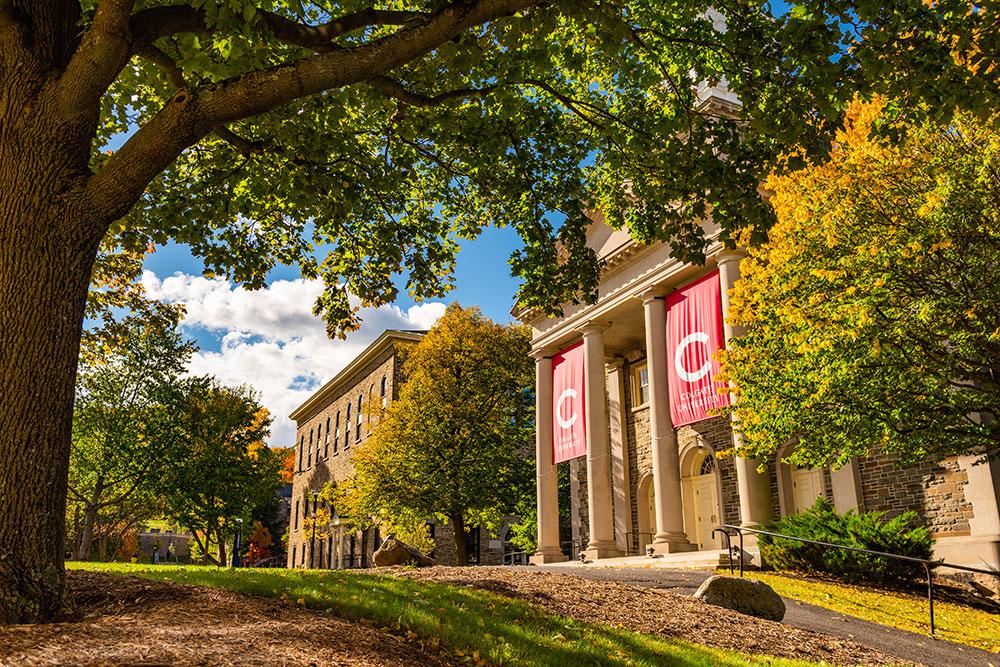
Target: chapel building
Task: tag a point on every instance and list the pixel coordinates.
(639, 480)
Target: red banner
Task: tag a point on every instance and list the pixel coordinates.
(569, 430)
(694, 334)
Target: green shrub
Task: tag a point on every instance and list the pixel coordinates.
(868, 530)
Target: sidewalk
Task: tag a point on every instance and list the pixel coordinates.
(920, 649)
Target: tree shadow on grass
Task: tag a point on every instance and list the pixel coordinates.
(501, 630)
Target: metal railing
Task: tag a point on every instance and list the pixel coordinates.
(927, 564)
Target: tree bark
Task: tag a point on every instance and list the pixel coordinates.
(48, 242)
(220, 549)
(461, 548)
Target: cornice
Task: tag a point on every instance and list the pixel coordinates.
(388, 338)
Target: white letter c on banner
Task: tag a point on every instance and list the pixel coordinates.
(697, 337)
(565, 423)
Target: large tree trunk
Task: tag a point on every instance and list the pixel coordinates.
(48, 243)
(47, 250)
(461, 548)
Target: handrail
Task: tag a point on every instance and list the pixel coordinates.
(927, 564)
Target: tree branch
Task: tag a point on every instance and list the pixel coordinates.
(397, 91)
(191, 114)
(148, 25)
(100, 56)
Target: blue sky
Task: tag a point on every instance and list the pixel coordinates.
(270, 340)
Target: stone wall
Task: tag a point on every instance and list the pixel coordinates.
(639, 445)
(935, 490)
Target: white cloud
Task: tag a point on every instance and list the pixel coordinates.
(270, 340)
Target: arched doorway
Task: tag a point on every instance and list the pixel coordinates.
(646, 512)
(700, 495)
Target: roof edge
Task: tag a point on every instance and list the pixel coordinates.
(379, 345)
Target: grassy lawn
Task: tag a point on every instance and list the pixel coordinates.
(480, 626)
(954, 622)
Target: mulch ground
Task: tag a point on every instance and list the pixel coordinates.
(657, 612)
(125, 620)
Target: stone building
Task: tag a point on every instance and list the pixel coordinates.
(330, 425)
(642, 482)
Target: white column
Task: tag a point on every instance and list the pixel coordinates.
(602, 534)
(547, 486)
(754, 489)
(670, 537)
(619, 453)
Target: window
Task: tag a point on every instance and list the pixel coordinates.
(640, 385)
(302, 449)
(319, 437)
(357, 436)
(347, 427)
(707, 466)
(295, 553)
(336, 438)
(382, 389)
(309, 460)
(296, 517)
(326, 443)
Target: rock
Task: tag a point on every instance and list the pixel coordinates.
(747, 596)
(395, 552)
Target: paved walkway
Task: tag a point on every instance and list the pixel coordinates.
(906, 645)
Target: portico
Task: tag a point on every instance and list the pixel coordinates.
(646, 461)
(633, 490)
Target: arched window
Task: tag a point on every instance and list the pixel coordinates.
(707, 465)
(383, 386)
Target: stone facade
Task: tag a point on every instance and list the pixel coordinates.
(958, 499)
(330, 425)
(935, 490)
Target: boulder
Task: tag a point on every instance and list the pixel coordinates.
(747, 596)
(396, 552)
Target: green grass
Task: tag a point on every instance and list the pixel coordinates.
(954, 622)
(478, 625)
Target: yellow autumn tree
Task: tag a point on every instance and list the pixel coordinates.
(871, 313)
(455, 446)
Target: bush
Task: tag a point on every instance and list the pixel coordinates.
(868, 530)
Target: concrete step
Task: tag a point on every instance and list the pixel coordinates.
(709, 559)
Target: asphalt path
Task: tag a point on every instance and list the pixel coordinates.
(917, 648)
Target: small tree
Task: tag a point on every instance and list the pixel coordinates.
(454, 444)
(128, 382)
(224, 469)
(871, 314)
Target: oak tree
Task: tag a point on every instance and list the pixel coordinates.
(257, 131)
